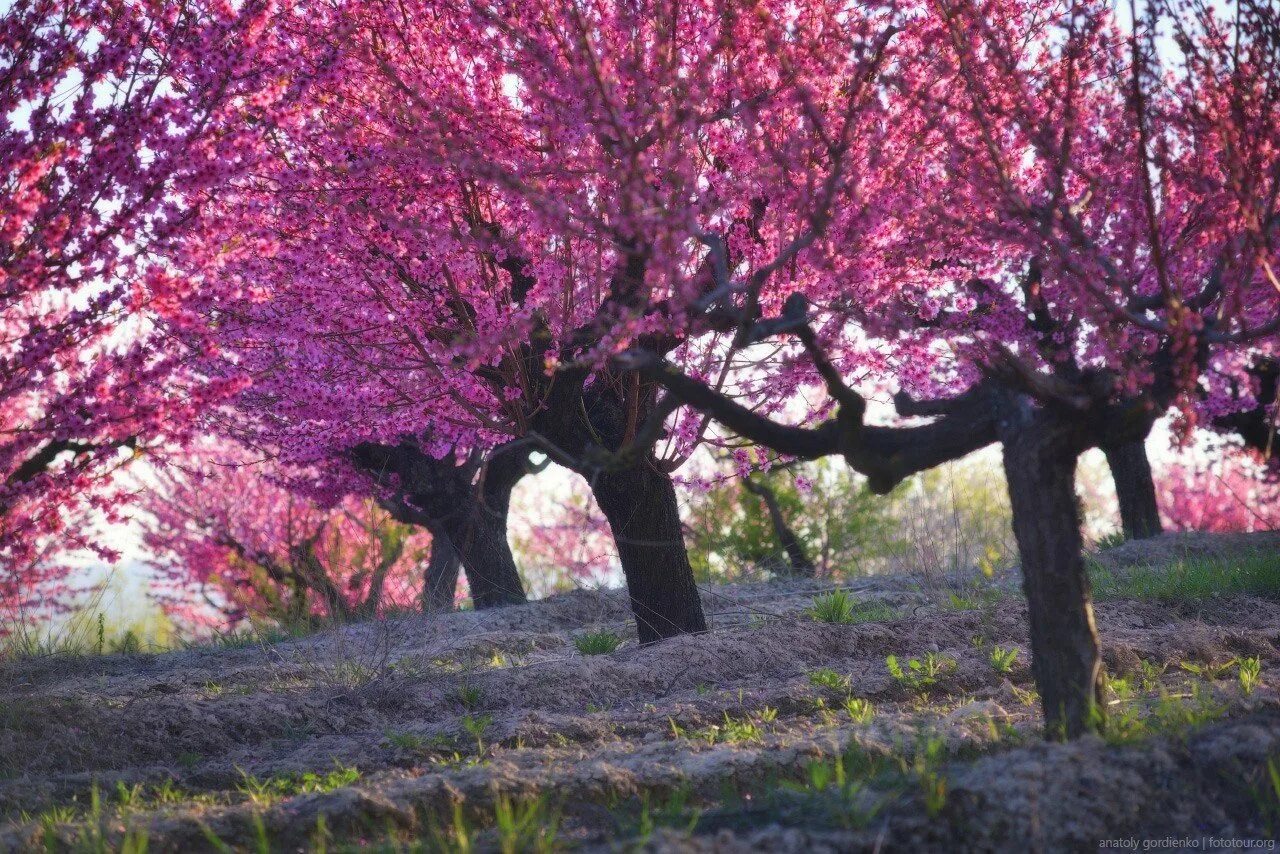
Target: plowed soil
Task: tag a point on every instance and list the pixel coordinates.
(702, 743)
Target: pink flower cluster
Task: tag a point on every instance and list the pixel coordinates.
(1235, 491)
(310, 225)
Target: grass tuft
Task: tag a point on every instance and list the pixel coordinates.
(829, 679)
(476, 727)
(840, 608)
(1002, 660)
(859, 709)
(972, 599)
(1249, 674)
(265, 792)
(597, 643)
(469, 696)
(920, 674)
(525, 825)
(1110, 540)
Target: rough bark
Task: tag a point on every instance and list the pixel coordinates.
(479, 533)
(584, 421)
(440, 586)
(886, 455)
(1040, 455)
(467, 502)
(798, 560)
(640, 504)
(1135, 489)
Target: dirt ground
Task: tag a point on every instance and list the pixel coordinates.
(710, 743)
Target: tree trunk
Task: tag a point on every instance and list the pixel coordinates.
(1135, 489)
(797, 559)
(480, 536)
(1040, 462)
(480, 533)
(640, 504)
(441, 495)
(307, 566)
(1257, 426)
(440, 586)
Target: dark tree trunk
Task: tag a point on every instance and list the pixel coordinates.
(479, 533)
(1040, 456)
(1135, 489)
(441, 583)
(797, 559)
(640, 504)
(445, 496)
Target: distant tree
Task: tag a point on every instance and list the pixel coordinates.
(39, 584)
(230, 540)
(836, 526)
(565, 540)
(955, 518)
(1228, 490)
(1135, 489)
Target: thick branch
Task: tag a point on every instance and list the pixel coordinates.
(886, 455)
(803, 442)
(39, 462)
(890, 455)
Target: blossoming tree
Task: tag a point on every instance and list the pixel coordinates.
(1092, 222)
(116, 119)
(1232, 490)
(485, 228)
(426, 275)
(228, 535)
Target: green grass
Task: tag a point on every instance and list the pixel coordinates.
(597, 643)
(528, 825)
(840, 608)
(829, 679)
(1110, 540)
(1133, 718)
(86, 633)
(673, 809)
(859, 709)
(732, 731)
(1210, 671)
(476, 727)
(91, 836)
(972, 599)
(469, 696)
(267, 791)
(1266, 794)
(1002, 660)
(1191, 580)
(926, 768)
(920, 674)
(407, 741)
(848, 800)
(1249, 674)
(519, 825)
(851, 789)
